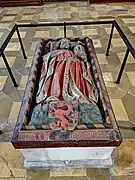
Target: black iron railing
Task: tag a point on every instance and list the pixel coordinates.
(114, 23)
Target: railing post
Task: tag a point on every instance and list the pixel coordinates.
(110, 39)
(65, 34)
(122, 67)
(21, 44)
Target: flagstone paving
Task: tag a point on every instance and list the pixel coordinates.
(122, 96)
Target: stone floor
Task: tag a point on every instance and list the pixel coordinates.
(122, 96)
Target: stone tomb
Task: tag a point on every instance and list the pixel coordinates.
(87, 145)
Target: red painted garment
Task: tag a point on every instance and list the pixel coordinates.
(65, 78)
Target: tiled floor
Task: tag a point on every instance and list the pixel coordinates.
(122, 96)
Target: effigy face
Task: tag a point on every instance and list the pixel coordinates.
(66, 101)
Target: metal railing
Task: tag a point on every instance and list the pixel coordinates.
(114, 23)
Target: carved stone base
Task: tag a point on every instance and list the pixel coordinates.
(94, 157)
(93, 163)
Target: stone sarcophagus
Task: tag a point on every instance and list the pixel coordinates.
(66, 118)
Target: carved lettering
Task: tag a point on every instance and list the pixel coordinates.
(74, 136)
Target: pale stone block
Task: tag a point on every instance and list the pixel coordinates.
(10, 61)
(8, 18)
(68, 172)
(119, 110)
(19, 173)
(108, 30)
(88, 32)
(29, 62)
(132, 29)
(13, 46)
(4, 25)
(23, 83)
(42, 34)
(22, 34)
(92, 163)
(2, 81)
(129, 20)
(131, 76)
(108, 80)
(102, 58)
(97, 43)
(69, 33)
(4, 170)
(67, 157)
(117, 42)
(27, 17)
(14, 112)
(129, 60)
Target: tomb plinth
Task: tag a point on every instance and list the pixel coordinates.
(52, 144)
(47, 158)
